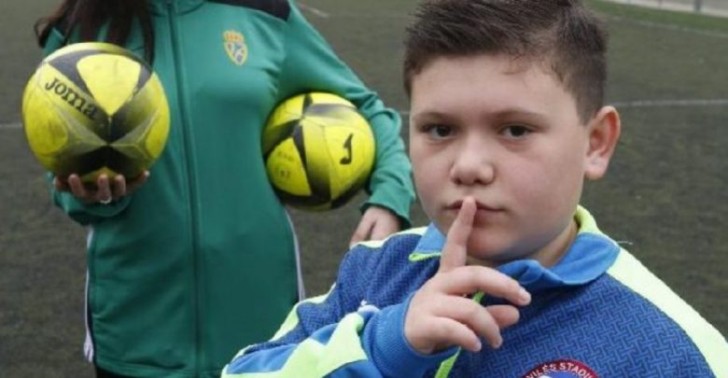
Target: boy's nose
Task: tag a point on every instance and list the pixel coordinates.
(472, 165)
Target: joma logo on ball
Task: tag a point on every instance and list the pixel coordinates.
(72, 97)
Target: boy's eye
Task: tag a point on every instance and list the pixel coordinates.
(438, 131)
(516, 131)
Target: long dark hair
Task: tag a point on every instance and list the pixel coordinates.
(87, 16)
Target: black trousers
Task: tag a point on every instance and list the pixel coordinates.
(101, 373)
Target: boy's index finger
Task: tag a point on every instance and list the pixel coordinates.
(455, 251)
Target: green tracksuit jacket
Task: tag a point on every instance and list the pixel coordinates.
(202, 258)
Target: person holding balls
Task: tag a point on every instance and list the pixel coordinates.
(198, 254)
(512, 278)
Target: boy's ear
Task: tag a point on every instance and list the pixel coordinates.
(604, 129)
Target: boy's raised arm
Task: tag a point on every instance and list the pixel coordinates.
(316, 341)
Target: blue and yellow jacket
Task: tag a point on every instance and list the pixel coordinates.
(203, 257)
(597, 313)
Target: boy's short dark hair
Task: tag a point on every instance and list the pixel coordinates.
(563, 34)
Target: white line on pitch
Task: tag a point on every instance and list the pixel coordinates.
(10, 126)
(672, 103)
(657, 25)
(315, 11)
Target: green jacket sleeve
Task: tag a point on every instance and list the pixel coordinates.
(312, 65)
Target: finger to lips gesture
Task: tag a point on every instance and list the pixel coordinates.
(441, 313)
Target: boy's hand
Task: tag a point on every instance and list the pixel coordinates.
(105, 191)
(377, 223)
(442, 314)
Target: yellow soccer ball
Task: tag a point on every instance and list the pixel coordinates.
(319, 151)
(93, 108)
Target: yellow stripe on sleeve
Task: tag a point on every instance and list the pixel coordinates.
(630, 272)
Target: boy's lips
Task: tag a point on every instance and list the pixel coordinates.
(456, 205)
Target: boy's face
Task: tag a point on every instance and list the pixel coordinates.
(509, 135)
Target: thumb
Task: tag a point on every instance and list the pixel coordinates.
(455, 252)
(362, 232)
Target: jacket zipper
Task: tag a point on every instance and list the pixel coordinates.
(189, 158)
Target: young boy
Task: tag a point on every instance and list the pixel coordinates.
(507, 121)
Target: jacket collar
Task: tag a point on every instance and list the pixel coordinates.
(164, 7)
(591, 254)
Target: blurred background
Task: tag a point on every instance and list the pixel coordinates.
(713, 7)
(663, 197)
